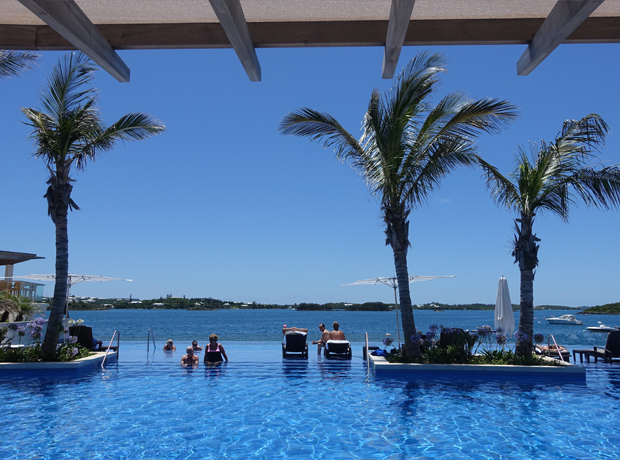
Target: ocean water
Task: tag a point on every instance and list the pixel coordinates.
(266, 325)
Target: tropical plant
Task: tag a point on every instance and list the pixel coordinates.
(406, 148)
(21, 307)
(68, 132)
(12, 63)
(556, 174)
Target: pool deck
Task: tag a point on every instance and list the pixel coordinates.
(559, 373)
(89, 363)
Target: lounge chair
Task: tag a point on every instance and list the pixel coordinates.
(295, 344)
(611, 351)
(552, 352)
(338, 348)
(84, 336)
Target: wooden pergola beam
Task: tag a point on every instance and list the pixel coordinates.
(231, 17)
(564, 18)
(67, 18)
(314, 34)
(400, 16)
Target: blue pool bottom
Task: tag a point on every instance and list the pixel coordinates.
(147, 406)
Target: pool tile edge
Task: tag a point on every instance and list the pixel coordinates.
(381, 367)
(88, 363)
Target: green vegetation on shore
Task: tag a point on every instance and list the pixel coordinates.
(208, 303)
(607, 309)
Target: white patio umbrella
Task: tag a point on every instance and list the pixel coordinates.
(504, 316)
(71, 280)
(393, 283)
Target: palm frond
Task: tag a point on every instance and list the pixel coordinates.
(598, 188)
(503, 191)
(68, 86)
(583, 135)
(322, 127)
(13, 63)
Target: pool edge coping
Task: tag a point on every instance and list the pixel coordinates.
(88, 362)
(381, 366)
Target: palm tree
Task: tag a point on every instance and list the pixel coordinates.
(405, 149)
(556, 174)
(13, 62)
(68, 132)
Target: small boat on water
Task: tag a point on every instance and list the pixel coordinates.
(602, 328)
(564, 319)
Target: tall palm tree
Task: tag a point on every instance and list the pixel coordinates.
(405, 149)
(557, 173)
(68, 132)
(13, 62)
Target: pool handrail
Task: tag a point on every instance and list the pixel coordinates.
(116, 334)
(150, 334)
(366, 352)
(557, 348)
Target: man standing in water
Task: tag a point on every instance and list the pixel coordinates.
(190, 358)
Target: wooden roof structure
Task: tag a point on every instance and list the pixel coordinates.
(100, 27)
(12, 258)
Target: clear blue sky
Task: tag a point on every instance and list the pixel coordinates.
(222, 206)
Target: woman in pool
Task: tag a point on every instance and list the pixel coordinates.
(214, 352)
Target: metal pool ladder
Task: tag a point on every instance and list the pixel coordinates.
(116, 334)
(150, 335)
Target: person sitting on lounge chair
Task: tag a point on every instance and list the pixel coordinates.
(324, 337)
(214, 352)
(190, 358)
(336, 334)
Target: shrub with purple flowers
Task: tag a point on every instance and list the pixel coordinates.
(538, 338)
(67, 351)
(387, 341)
(456, 346)
(521, 336)
(70, 350)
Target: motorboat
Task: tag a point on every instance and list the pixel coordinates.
(564, 319)
(602, 328)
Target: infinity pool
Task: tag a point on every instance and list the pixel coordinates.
(258, 406)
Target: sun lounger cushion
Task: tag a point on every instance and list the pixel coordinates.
(338, 346)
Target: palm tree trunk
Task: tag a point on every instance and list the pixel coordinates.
(406, 312)
(526, 318)
(55, 323)
(397, 236)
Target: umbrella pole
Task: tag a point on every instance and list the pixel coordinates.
(396, 309)
(67, 300)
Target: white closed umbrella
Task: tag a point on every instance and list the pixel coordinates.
(504, 316)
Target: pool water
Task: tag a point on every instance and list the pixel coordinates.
(147, 406)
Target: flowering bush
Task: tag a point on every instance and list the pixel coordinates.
(456, 346)
(67, 351)
(538, 338)
(387, 341)
(70, 350)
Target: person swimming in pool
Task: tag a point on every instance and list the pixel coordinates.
(169, 345)
(214, 352)
(195, 346)
(190, 358)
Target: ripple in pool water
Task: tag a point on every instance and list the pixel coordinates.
(260, 406)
